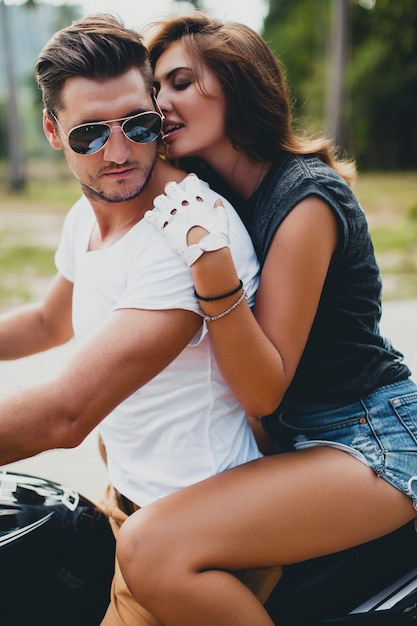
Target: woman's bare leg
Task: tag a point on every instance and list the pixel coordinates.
(280, 509)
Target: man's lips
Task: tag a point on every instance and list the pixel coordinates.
(119, 173)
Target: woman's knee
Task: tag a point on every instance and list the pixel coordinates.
(145, 556)
(137, 552)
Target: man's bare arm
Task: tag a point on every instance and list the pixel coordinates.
(123, 355)
(37, 327)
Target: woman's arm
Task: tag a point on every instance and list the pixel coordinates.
(257, 354)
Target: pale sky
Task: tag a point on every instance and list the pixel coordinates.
(138, 13)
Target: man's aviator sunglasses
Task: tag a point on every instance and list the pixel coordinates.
(90, 138)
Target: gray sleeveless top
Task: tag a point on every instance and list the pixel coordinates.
(345, 357)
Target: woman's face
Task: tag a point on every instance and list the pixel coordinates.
(194, 119)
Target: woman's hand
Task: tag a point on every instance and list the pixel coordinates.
(177, 212)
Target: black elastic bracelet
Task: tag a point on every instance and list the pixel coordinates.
(222, 297)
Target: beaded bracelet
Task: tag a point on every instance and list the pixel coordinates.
(213, 318)
(222, 297)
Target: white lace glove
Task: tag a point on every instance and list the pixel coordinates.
(177, 211)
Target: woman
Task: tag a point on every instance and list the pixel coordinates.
(340, 403)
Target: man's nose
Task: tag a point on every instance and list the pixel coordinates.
(118, 146)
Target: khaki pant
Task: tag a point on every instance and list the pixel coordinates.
(123, 610)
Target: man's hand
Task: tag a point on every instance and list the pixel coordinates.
(177, 212)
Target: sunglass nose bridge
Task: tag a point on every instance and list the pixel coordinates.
(117, 146)
(116, 127)
(116, 124)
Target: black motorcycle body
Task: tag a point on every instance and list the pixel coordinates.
(57, 561)
(56, 555)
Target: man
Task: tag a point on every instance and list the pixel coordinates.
(144, 368)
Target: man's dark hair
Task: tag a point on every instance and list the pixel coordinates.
(97, 47)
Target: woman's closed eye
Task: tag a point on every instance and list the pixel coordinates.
(181, 85)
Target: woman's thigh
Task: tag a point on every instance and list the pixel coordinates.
(276, 510)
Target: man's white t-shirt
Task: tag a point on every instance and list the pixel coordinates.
(185, 424)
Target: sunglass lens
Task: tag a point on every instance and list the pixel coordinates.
(143, 128)
(89, 138)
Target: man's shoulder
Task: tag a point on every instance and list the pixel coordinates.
(82, 205)
(81, 211)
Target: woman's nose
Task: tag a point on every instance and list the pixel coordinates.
(163, 101)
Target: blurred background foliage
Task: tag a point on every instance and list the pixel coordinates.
(351, 66)
(352, 69)
(378, 118)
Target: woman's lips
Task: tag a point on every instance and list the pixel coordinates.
(169, 129)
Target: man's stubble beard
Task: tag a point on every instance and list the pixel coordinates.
(92, 193)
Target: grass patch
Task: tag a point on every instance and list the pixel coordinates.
(41, 196)
(25, 271)
(390, 204)
(50, 188)
(17, 259)
(387, 196)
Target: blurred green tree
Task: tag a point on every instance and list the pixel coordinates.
(364, 94)
(17, 125)
(378, 120)
(383, 79)
(16, 174)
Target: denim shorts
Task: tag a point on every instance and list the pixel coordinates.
(380, 430)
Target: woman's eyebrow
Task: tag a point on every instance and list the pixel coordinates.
(177, 69)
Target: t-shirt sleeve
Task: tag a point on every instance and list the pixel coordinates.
(156, 277)
(75, 234)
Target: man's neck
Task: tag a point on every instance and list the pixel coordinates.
(114, 220)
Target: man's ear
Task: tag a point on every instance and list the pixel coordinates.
(50, 131)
